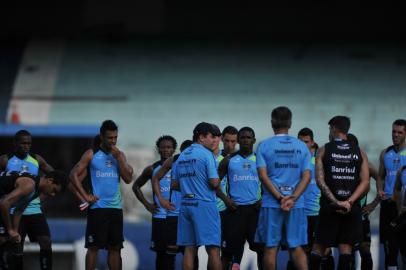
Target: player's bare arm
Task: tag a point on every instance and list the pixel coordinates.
(139, 183)
(125, 169)
(320, 177)
(78, 170)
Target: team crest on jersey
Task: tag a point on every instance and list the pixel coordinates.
(24, 168)
(2, 230)
(109, 163)
(246, 166)
(396, 161)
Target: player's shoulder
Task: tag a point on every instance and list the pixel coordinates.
(156, 164)
(388, 149)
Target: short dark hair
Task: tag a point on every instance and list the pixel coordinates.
(400, 122)
(216, 130)
(202, 128)
(341, 123)
(246, 129)
(166, 138)
(59, 177)
(108, 125)
(281, 117)
(306, 132)
(229, 130)
(185, 144)
(21, 133)
(352, 139)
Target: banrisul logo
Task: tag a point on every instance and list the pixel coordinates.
(109, 163)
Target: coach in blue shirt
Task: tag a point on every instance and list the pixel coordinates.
(283, 164)
(199, 219)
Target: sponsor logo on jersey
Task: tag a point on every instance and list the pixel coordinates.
(101, 174)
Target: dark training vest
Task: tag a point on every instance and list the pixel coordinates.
(342, 164)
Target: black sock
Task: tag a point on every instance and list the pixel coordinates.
(344, 262)
(366, 261)
(315, 261)
(3, 261)
(196, 262)
(327, 263)
(290, 266)
(45, 259)
(260, 260)
(160, 260)
(170, 261)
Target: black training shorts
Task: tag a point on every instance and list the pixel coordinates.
(240, 226)
(104, 228)
(335, 228)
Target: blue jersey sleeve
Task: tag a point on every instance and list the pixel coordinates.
(260, 157)
(211, 167)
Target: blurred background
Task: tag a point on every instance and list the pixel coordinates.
(159, 67)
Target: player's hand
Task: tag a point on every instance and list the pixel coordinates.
(367, 209)
(115, 151)
(381, 194)
(231, 204)
(344, 204)
(14, 236)
(287, 203)
(91, 198)
(167, 204)
(152, 208)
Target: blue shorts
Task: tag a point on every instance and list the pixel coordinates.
(276, 227)
(199, 224)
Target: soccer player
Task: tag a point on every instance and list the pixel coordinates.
(18, 190)
(390, 161)
(166, 146)
(33, 221)
(283, 164)
(342, 175)
(229, 139)
(199, 220)
(365, 246)
(245, 193)
(106, 165)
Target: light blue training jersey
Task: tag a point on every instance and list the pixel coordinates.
(105, 180)
(393, 161)
(195, 167)
(243, 181)
(285, 159)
